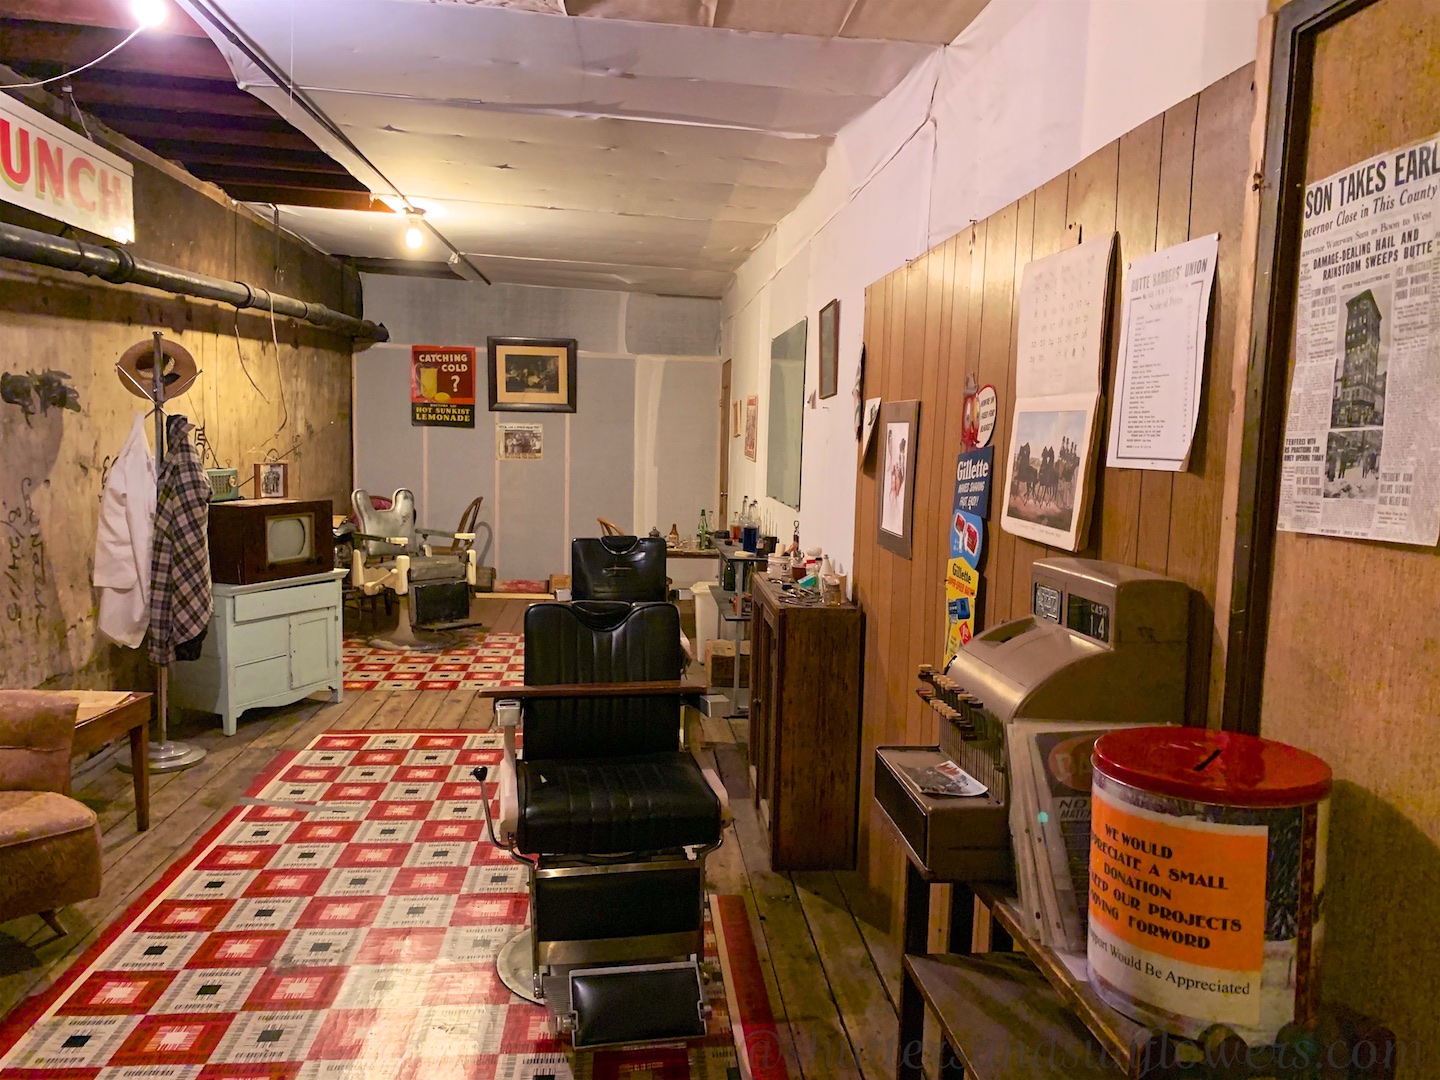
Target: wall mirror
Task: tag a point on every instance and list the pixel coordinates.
(787, 414)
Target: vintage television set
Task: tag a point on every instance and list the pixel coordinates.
(257, 540)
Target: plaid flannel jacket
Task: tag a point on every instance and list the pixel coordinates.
(180, 599)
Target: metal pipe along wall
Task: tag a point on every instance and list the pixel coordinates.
(119, 266)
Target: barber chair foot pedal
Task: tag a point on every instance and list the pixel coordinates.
(440, 605)
(635, 1003)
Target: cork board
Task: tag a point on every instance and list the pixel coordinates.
(1350, 657)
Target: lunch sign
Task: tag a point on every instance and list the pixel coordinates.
(49, 169)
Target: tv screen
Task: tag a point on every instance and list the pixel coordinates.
(289, 538)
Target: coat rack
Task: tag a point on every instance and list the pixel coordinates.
(165, 755)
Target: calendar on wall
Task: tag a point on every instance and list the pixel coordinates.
(1064, 302)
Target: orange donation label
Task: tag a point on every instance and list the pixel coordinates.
(1177, 910)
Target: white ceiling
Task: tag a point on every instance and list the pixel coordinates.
(591, 149)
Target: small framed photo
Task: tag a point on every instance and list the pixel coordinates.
(531, 374)
(897, 432)
(272, 480)
(829, 349)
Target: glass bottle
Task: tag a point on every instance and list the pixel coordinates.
(702, 534)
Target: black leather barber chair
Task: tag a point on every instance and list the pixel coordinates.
(614, 819)
(618, 568)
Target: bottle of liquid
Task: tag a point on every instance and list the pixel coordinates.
(735, 521)
(750, 530)
(702, 534)
(673, 540)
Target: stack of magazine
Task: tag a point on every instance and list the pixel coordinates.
(1050, 825)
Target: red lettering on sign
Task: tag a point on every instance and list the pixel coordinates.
(15, 149)
(80, 167)
(49, 169)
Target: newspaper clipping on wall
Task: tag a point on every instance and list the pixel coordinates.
(1362, 434)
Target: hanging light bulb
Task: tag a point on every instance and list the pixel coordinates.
(148, 13)
(414, 236)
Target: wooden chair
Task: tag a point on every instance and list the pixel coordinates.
(469, 518)
(609, 528)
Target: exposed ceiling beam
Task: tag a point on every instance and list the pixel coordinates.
(64, 47)
(144, 125)
(220, 154)
(404, 267)
(110, 14)
(233, 173)
(167, 94)
(287, 196)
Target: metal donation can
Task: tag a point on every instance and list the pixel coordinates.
(1207, 874)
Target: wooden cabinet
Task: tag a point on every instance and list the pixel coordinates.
(269, 644)
(805, 727)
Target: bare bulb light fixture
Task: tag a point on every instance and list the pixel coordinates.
(148, 13)
(414, 235)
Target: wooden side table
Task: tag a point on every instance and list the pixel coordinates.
(101, 719)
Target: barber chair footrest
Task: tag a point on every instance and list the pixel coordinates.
(635, 1003)
(440, 605)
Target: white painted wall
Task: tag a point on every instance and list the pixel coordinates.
(641, 449)
(1027, 91)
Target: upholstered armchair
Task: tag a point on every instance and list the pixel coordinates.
(393, 552)
(49, 843)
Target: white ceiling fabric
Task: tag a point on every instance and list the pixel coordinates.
(603, 152)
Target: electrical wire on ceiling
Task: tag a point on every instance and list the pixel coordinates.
(221, 22)
(83, 67)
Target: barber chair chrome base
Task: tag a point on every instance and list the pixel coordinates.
(515, 965)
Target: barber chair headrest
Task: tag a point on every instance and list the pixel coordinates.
(618, 568)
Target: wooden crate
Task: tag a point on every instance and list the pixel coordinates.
(720, 663)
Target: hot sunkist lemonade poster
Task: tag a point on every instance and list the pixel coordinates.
(967, 543)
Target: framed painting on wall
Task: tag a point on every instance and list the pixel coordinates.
(829, 349)
(898, 432)
(752, 426)
(531, 374)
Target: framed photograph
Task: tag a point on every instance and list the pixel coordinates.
(871, 418)
(1047, 492)
(897, 431)
(531, 374)
(272, 480)
(829, 349)
(519, 442)
(752, 426)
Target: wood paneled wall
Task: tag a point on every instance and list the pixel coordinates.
(955, 311)
(1350, 657)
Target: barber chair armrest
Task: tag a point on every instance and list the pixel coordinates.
(507, 715)
(718, 786)
(400, 541)
(653, 688)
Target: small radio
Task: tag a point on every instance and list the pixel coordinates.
(224, 484)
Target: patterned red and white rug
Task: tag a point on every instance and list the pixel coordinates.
(494, 658)
(343, 925)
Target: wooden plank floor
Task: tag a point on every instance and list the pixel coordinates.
(831, 976)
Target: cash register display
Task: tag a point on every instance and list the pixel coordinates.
(1088, 618)
(1047, 603)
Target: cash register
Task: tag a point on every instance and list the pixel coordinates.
(1102, 642)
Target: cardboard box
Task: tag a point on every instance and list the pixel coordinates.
(559, 581)
(720, 663)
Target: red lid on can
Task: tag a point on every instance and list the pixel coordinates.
(1207, 766)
